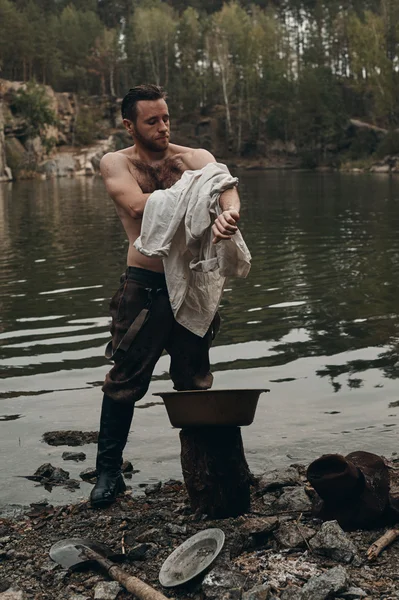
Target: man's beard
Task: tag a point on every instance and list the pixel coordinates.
(150, 145)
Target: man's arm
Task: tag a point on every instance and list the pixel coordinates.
(224, 226)
(121, 185)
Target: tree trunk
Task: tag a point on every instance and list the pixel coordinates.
(226, 102)
(223, 64)
(215, 471)
(248, 103)
(239, 135)
(166, 61)
(153, 60)
(111, 80)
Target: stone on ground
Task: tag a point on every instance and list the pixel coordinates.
(321, 587)
(107, 590)
(333, 542)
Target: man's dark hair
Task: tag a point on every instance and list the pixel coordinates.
(146, 91)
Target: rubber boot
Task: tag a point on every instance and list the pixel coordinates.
(115, 422)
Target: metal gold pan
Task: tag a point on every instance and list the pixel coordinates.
(192, 557)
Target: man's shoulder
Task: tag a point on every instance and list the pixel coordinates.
(112, 161)
(185, 150)
(193, 158)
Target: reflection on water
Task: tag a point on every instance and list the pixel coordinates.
(323, 289)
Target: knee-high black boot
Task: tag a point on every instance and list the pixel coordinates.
(115, 424)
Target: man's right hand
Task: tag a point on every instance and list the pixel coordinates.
(225, 226)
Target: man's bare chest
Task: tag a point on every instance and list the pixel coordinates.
(159, 177)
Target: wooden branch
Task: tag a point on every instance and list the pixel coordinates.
(301, 534)
(383, 542)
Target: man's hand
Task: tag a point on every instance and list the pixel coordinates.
(225, 226)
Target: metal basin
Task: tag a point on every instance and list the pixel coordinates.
(211, 407)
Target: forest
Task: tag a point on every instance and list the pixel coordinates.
(289, 69)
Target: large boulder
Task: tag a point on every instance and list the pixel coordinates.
(16, 156)
(62, 165)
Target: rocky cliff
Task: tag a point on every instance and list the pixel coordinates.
(82, 133)
(5, 171)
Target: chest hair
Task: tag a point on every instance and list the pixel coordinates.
(160, 177)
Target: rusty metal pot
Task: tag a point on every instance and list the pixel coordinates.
(195, 408)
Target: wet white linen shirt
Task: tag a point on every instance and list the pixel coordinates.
(177, 227)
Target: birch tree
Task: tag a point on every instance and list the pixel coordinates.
(369, 63)
(104, 59)
(154, 34)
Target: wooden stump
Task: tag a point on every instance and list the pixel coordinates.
(215, 471)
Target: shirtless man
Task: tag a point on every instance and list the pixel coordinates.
(130, 176)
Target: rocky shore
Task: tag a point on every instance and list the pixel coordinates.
(277, 550)
(85, 129)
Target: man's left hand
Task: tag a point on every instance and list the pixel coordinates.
(225, 226)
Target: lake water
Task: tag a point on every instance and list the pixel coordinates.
(316, 321)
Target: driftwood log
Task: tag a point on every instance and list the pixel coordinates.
(215, 471)
(383, 542)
